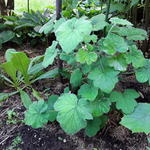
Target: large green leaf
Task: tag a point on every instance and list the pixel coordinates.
(84, 56)
(125, 101)
(139, 120)
(98, 22)
(143, 73)
(88, 92)
(105, 79)
(72, 113)
(76, 78)
(50, 54)
(37, 114)
(72, 32)
(131, 33)
(21, 63)
(114, 43)
(135, 57)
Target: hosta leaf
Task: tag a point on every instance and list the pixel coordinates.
(139, 120)
(118, 62)
(76, 78)
(6, 36)
(99, 107)
(143, 73)
(72, 32)
(98, 22)
(86, 57)
(114, 43)
(125, 101)
(116, 20)
(135, 57)
(50, 55)
(88, 92)
(72, 113)
(95, 125)
(105, 79)
(37, 114)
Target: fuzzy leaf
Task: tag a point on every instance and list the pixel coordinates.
(72, 113)
(86, 57)
(125, 101)
(139, 120)
(105, 79)
(88, 92)
(135, 57)
(143, 73)
(118, 62)
(72, 32)
(37, 114)
(114, 43)
(98, 22)
(99, 107)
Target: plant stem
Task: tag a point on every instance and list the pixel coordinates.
(58, 16)
(28, 5)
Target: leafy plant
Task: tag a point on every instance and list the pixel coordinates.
(21, 72)
(95, 66)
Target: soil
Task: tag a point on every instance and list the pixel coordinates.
(52, 137)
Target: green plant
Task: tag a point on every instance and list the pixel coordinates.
(11, 115)
(21, 72)
(18, 29)
(15, 143)
(95, 67)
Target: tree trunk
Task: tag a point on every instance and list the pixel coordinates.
(3, 7)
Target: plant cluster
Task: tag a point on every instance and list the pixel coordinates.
(20, 72)
(18, 29)
(95, 67)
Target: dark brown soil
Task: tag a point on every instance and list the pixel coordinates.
(52, 137)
